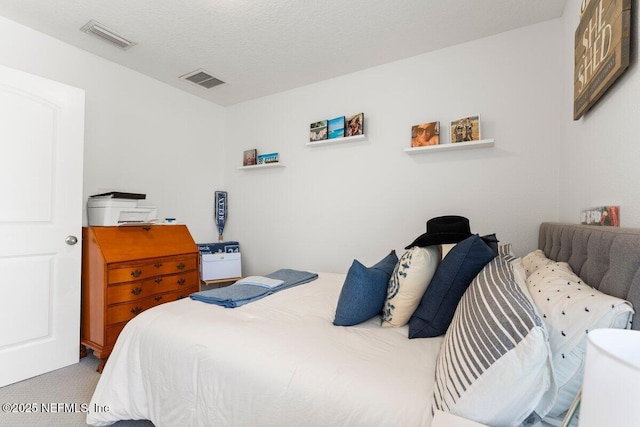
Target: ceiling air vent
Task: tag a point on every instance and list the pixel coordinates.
(202, 78)
(99, 30)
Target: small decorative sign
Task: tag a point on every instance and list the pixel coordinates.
(267, 158)
(220, 212)
(601, 50)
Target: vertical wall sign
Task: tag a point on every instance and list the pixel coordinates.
(601, 51)
(220, 212)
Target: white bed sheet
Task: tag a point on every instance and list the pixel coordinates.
(278, 361)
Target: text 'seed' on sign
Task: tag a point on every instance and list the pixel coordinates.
(601, 51)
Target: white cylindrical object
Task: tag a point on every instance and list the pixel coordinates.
(611, 387)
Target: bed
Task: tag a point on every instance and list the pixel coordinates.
(280, 360)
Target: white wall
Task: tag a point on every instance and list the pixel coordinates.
(140, 135)
(600, 152)
(332, 204)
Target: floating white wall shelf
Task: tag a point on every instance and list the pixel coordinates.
(262, 166)
(451, 146)
(337, 140)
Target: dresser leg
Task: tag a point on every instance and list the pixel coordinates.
(83, 351)
(101, 365)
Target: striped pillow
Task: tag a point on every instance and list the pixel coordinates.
(494, 366)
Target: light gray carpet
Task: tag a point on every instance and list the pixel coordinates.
(72, 386)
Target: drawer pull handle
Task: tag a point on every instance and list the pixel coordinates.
(157, 265)
(181, 266)
(181, 281)
(136, 291)
(136, 273)
(158, 298)
(158, 280)
(136, 310)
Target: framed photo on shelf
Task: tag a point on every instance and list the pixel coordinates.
(336, 127)
(601, 215)
(425, 134)
(249, 157)
(465, 129)
(267, 158)
(318, 131)
(355, 125)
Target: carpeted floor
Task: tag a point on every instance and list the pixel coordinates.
(63, 393)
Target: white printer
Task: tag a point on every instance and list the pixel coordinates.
(116, 208)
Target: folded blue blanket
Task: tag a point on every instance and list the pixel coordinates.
(240, 294)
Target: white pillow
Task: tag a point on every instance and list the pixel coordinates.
(494, 366)
(445, 248)
(534, 260)
(570, 309)
(407, 285)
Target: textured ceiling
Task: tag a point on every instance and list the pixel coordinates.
(260, 47)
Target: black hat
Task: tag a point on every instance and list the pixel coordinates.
(444, 229)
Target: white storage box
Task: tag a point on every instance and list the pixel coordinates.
(109, 211)
(220, 266)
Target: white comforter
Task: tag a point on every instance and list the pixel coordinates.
(275, 362)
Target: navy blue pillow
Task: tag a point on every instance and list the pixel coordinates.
(492, 241)
(364, 291)
(452, 278)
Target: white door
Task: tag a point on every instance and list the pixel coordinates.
(41, 155)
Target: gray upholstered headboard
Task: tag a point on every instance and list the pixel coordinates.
(607, 258)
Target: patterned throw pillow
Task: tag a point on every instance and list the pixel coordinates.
(494, 365)
(534, 260)
(570, 309)
(408, 283)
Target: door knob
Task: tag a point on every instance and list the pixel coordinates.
(71, 240)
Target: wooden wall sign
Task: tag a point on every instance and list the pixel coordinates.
(601, 51)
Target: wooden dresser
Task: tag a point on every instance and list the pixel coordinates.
(126, 270)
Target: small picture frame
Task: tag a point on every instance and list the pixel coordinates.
(465, 129)
(355, 125)
(336, 127)
(250, 157)
(318, 131)
(601, 215)
(425, 134)
(267, 158)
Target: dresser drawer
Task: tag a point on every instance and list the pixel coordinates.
(156, 267)
(131, 291)
(127, 311)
